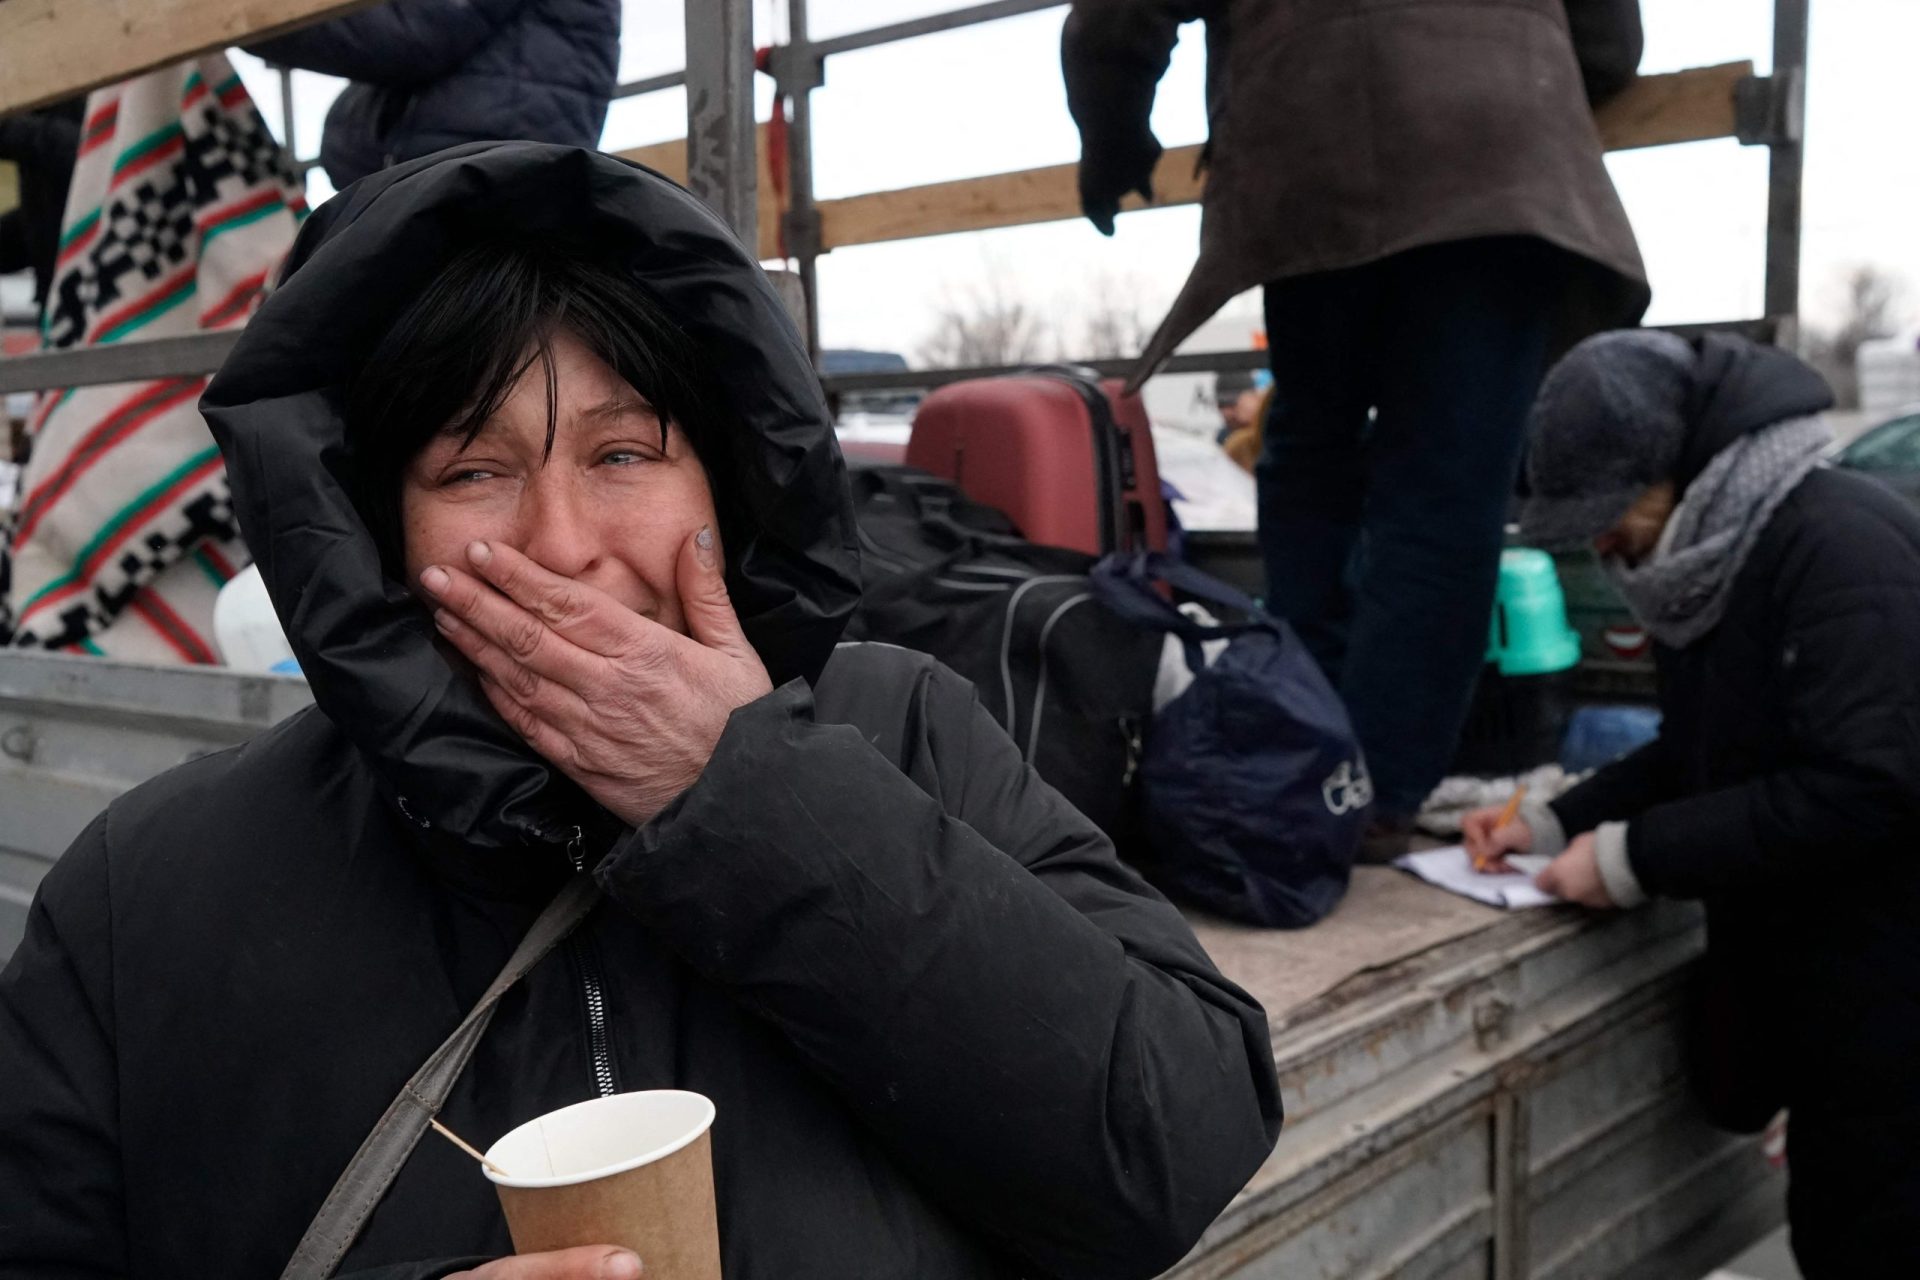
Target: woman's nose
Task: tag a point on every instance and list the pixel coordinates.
(557, 530)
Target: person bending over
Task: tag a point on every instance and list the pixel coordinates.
(1784, 787)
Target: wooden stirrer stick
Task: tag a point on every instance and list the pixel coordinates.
(461, 1143)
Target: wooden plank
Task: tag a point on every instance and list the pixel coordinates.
(667, 158)
(52, 49)
(670, 159)
(1018, 199)
(1683, 106)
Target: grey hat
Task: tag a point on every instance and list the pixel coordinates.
(1608, 424)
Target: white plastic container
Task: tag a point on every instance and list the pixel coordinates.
(1889, 372)
(247, 630)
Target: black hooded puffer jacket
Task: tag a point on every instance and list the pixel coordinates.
(430, 74)
(1784, 791)
(947, 1033)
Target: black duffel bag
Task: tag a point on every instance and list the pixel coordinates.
(1071, 683)
(1254, 792)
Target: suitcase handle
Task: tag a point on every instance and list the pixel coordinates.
(1112, 450)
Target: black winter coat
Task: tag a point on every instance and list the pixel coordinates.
(1784, 791)
(430, 74)
(44, 145)
(947, 1033)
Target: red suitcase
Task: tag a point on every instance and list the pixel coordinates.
(1068, 460)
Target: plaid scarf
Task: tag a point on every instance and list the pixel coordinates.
(182, 207)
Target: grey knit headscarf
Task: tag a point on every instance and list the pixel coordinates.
(1734, 424)
(1609, 423)
(1680, 592)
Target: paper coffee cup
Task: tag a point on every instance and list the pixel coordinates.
(634, 1169)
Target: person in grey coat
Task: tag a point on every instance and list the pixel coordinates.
(1420, 187)
(430, 74)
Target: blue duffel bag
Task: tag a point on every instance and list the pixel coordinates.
(1253, 787)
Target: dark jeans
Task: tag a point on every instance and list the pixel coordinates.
(1402, 389)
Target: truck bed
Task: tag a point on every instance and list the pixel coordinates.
(1469, 1092)
(1479, 1093)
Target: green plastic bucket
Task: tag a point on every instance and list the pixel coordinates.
(1529, 634)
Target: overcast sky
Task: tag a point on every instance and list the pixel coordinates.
(988, 99)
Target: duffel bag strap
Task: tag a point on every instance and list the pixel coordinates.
(1125, 585)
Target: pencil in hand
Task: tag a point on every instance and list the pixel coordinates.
(1519, 797)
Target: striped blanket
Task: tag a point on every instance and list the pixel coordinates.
(182, 207)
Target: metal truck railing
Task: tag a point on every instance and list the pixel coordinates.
(51, 52)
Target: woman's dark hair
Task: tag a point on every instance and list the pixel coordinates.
(453, 356)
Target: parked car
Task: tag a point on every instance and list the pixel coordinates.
(1889, 452)
(892, 403)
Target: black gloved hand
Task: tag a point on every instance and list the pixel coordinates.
(1109, 170)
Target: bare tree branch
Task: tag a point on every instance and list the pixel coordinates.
(987, 325)
(1871, 298)
(1114, 327)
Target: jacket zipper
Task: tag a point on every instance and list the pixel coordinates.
(599, 1046)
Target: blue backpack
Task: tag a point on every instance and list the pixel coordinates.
(1254, 790)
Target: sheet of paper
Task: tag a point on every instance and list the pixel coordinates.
(1452, 870)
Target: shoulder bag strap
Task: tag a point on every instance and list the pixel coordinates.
(1125, 584)
(375, 1165)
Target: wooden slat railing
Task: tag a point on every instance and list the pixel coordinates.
(1658, 110)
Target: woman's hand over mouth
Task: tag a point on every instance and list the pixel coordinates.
(625, 707)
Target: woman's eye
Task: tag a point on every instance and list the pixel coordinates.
(624, 457)
(469, 476)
